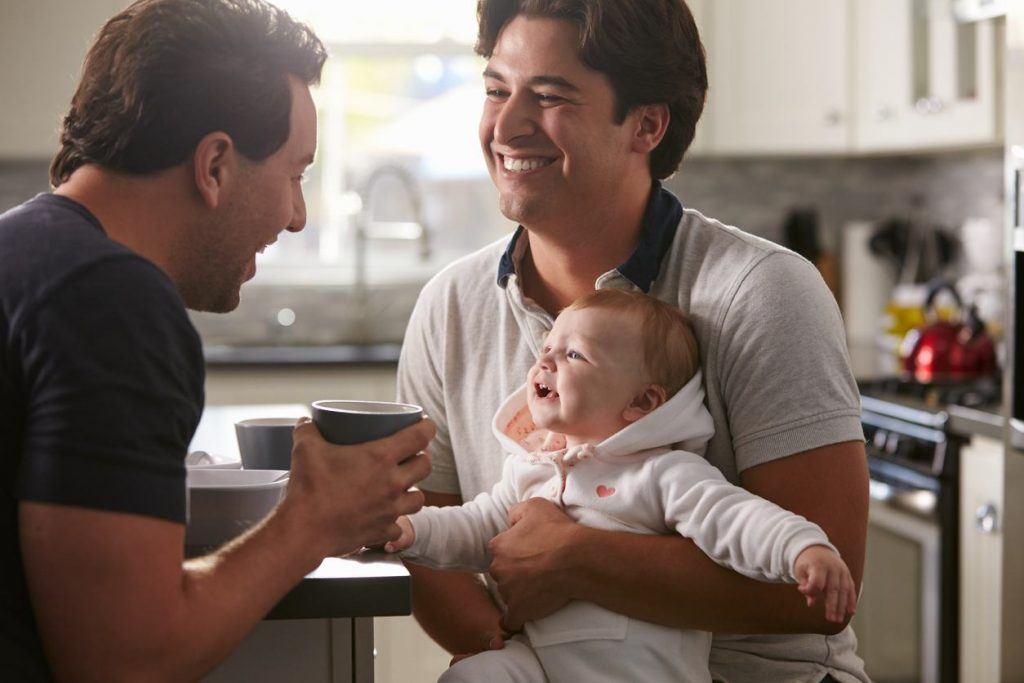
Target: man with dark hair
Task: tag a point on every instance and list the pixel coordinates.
(590, 103)
(181, 158)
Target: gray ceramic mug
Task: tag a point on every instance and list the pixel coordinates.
(265, 443)
(351, 422)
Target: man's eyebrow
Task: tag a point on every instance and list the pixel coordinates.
(491, 73)
(556, 81)
(552, 80)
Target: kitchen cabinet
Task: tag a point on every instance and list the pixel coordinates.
(404, 653)
(922, 80)
(42, 46)
(981, 556)
(779, 76)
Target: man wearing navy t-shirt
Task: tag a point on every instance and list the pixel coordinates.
(181, 157)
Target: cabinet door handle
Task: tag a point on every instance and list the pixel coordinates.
(884, 113)
(987, 519)
(834, 117)
(927, 106)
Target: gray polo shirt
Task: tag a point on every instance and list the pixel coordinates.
(773, 352)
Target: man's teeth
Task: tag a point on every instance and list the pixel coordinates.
(524, 165)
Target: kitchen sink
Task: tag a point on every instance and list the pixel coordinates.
(312, 315)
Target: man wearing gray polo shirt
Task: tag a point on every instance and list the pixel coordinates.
(589, 104)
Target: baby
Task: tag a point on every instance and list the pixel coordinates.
(609, 427)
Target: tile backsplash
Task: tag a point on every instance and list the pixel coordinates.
(756, 193)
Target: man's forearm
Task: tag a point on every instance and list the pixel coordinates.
(133, 610)
(455, 609)
(668, 580)
(227, 593)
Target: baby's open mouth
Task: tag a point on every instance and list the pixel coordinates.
(544, 391)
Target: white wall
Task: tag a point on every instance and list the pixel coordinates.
(42, 45)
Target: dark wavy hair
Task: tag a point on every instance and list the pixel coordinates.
(649, 49)
(164, 73)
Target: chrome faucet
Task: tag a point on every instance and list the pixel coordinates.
(367, 228)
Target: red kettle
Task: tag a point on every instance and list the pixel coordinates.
(947, 351)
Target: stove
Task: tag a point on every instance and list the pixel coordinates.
(979, 394)
(914, 464)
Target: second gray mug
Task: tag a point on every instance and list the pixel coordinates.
(266, 443)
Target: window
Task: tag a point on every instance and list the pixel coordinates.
(399, 175)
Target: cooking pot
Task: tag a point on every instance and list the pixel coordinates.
(944, 350)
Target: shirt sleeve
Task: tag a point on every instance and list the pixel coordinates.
(421, 382)
(733, 527)
(113, 372)
(457, 537)
(785, 371)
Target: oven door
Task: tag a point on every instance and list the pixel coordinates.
(901, 612)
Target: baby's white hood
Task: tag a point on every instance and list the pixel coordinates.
(682, 422)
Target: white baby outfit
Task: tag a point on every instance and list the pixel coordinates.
(647, 478)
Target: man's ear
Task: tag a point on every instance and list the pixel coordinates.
(651, 124)
(214, 164)
(652, 397)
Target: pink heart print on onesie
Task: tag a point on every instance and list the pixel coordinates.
(604, 491)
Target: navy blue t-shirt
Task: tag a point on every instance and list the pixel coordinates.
(101, 389)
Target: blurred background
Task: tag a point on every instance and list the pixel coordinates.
(868, 135)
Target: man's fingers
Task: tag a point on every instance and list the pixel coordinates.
(414, 469)
(410, 502)
(401, 444)
(305, 429)
(518, 511)
(510, 624)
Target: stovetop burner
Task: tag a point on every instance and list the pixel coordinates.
(980, 394)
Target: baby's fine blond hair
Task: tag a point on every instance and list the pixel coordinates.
(671, 355)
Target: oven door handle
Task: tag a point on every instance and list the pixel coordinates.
(920, 503)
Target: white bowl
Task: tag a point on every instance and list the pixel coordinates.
(201, 460)
(222, 504)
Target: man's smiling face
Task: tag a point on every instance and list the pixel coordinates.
(265, 200)
(548, 128)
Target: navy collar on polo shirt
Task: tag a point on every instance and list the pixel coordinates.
(661, 220)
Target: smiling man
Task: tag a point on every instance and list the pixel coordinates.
(181, 158)
(589, 104)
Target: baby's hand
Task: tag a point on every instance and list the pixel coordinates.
(821, 572)
(407, 537)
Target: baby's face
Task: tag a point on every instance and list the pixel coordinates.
(590, 369)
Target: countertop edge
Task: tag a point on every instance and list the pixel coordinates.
(388, 596)
(341, 354)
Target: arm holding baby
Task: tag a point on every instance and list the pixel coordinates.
(752, 535)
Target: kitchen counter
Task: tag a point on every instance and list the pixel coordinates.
(344, 354)
(971, 422)
(322, 630)
(372, 584)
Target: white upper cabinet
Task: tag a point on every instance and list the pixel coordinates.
(779, 79)
(922, 80)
